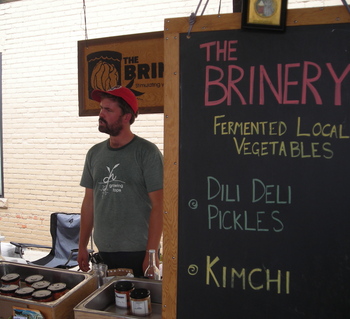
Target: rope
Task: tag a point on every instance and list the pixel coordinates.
(193, 15)
(346, 5)
(86, 34)
(205, 6)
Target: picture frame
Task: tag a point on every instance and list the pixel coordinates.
(264, 14)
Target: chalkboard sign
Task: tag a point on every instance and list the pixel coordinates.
(264, 174)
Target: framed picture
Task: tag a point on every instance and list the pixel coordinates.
(264, 14)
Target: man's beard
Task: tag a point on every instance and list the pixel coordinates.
(112, 130)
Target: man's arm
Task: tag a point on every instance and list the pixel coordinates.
(86, 225)
(155, 225)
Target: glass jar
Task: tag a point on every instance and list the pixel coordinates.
(32, 279)
(58, 289)
(122, 290)
(24, 293)
(8, 290)
(43, 284)
(140, 300)
(10, 279)
(42, 295)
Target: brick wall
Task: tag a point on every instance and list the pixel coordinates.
(44, 139)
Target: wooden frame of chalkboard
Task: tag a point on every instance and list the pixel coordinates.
(172, 273)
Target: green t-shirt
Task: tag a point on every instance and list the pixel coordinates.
(121, 179)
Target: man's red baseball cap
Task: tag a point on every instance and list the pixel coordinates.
(121, 91)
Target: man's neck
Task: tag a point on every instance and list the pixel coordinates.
(121, 140)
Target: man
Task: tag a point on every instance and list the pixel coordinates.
(123, 180)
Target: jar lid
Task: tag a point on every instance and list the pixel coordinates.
(124, 285)
(41, 294)
(140, 293)
(24, 291)
(9, 288)
(10, 277)
(57, 287)
(43, 284)
(33, 278)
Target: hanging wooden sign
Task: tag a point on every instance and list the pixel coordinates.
(134, 61)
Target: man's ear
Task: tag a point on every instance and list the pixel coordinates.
(127, 117)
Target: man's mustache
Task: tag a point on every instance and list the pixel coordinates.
(102, 120)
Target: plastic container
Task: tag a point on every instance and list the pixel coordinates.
(11, 279)
(140, 300)
(42, 295)
(24, 293)
(32, 279)
(122, 290)
(58, 289)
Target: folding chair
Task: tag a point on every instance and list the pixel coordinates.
(64, 229)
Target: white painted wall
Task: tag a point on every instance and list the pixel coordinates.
(44, 139)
